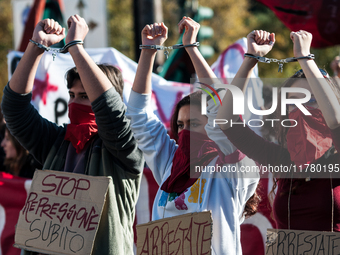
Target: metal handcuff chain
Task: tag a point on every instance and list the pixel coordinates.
(56, 50)
(167, 49)
(279, 61)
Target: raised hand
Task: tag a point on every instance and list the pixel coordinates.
(302, 41)
(191, 28)
(260, 42)
(154, 34)
(48, 32)
(77, 28)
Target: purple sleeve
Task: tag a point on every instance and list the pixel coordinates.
(256, 147)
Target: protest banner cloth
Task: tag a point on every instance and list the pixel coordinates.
(50, 94)
(13, 192)
(295, 242)
(62, 213)
(185, 234)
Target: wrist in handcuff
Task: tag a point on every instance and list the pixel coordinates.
(78, 44)
(166, 49)
(279, 61)
(57, 50)
(305, 57)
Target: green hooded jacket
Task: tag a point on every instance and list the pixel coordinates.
(113, 153)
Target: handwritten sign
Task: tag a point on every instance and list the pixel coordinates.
(185, 234)
(62, 213)
(296, 242)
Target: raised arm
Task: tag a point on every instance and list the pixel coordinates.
(201, 66)
(158, 149)
(324, 94)
(259, 44)
(205, 76)
(155, 34)
(47, 32)
(94, 81)
(35, 133)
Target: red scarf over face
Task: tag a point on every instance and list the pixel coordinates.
(83, 125)
(199, 153)
(310, 139)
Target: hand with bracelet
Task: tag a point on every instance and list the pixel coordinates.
(260, 42)
(154, 34)
(52, 26)
(98, 140)
(259, 33)
(153, 29)
(202, 68)
(48, 32)
(310, 141)
(302, 41)
(190, 28)
(77, 29)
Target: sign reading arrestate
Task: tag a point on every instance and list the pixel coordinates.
(297, 242)
(62, 213)
(185, 234)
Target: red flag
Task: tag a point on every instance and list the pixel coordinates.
(321, 18)
(13, 196)
(35, 15)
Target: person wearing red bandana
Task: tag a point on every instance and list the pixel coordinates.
(97, 142)
(306, 197)
(183, 188)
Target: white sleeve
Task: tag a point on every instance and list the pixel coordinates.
(213, 130)
(151, 135)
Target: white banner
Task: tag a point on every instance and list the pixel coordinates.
(50, 94)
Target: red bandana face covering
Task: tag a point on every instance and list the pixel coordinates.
(310, 139)
(83, 125)
(200, 153)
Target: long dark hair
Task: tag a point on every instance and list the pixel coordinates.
(195, 99)
(281, 133)
(14, 165)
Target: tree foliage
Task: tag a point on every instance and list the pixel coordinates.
(6, 40)
(234, 19)
(121, 26)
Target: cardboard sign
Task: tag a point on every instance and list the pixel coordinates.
(62, 213)
(296, 242)
(185, 234)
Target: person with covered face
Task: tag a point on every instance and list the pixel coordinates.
(308, 196)
(97, 142)
(183, 189)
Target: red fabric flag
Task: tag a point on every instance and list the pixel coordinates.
(321, 18)
(34, 17)
(36, 14)
(12, 199)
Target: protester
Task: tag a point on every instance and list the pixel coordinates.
(300, 203)
(171, 163)
(98, 142)
(17, 161)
